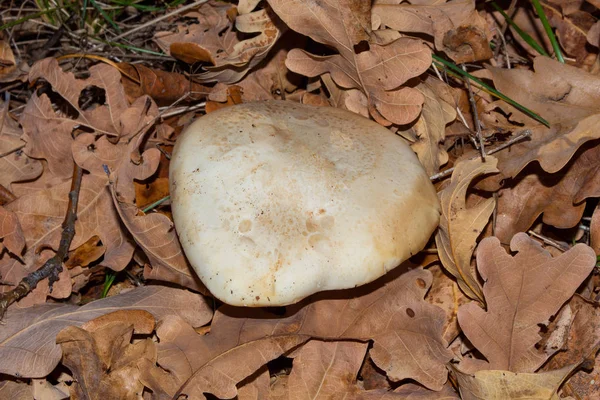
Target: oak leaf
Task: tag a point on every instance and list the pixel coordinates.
(522, 293)
(564, 95)
(102, 358)
(500, 385)
(11, 233)
(27, 346)
(460, 226)
(456, 27)
(378, 72)
(213, 39)
(429, 130)
(559, 197)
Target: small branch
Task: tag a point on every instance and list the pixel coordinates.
(524, 134)
(475, 116)
(53, 266)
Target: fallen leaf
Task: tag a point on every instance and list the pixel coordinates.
(41, 215)
(15, 390)
(566, 96)
(157, 237)
(27, 347)
(402, 321)
(213, 40)
(560, 197)
(582, 343)
(378, 73)
(461, 226)
(165, 88)
(11, 233)
(326, 369)
(428, 133)
(500, 385)
(572, 27)
(522, 293)
(104, 361)
(432, 19)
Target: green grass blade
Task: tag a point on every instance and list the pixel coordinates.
(491, 90)
(526, 37)
(109, 279)
(157, 203)
(555, 46)
(19, 21)
(106, 17)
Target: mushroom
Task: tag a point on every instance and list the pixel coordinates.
(274, 201)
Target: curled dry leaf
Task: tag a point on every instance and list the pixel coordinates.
(212, 39)
(156, 236)
(566, 96)
(15, 390)
(560, 197)
(14, 164)
(501, 385)
(457, 28)
(378, 72)
(11, 233)
(460, 226)
(27, 346)
(104, 361)
(522, 293)
(572, 27)
(583, 343)
(429, 131)
(165, 88)
(10, 69)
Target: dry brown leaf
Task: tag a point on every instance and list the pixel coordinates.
(522, 293)
(501, 385)
(560, 197)
(202, 364)
(456, 27)
(572, 27)
(378, 72)
(402, 320)
(446, 294)
(15, 390)
(213, 40)
(9, 70)
(566, 96)
(460, 226)
(156, 236)
(14, 164)
(27, 345)
(43, 389)
(326, 369)
(41, 215)
(48, 132)
(11, 233)
(583, 342)
(165, 88)
(104, 361)
(428, 132)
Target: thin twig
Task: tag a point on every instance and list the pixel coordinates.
(522, 135)
(548, 241)
(53, 266)
(475, 116)
(155, 21)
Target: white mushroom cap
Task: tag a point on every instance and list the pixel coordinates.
(275, 201)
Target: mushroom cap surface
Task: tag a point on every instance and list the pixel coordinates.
(274, 201)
